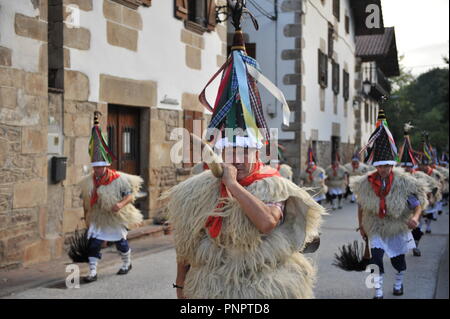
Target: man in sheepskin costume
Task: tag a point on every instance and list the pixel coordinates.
(355, 168)
(426, 166)
(239, 227)
(313, 178)
(107, 200)
(390, 203)
(410, 164)
(337, 181)
(443, 168)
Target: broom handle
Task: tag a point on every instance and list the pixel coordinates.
(366, 249)
(214, 165)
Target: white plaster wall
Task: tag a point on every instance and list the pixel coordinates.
(160, 56)
(317, 17)
(316, 27)
(268, 54)
(25, 51)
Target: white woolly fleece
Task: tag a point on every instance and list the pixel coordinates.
(241, 262)
(398, 211)
(109, 195)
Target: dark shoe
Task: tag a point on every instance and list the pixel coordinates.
(381, 297)
(428, 231)
(340, 207)
(440, 212)
(416, 252)
(124, 271)
(398, 292)
(352, 201)
(90, 278)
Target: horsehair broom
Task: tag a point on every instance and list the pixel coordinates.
(79, 247)
(353, 256)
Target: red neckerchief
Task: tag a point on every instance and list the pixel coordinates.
(334, 167)
(429, 171)
(214, 223)
(310, 172)
(376, 183)
(106, 179)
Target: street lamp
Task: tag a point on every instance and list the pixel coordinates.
(367, 86)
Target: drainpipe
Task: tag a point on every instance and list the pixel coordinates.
(298, 113)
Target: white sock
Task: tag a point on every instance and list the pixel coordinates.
(378, 281)
(93, 266)
(428, 223)
(333, 203)
(399, 280)
(126, 259)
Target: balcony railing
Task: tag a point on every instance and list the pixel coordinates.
(380, 84)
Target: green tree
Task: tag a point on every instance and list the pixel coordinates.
(423, 101)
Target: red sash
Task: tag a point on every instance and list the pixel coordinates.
(260, 171)
(110, 175)
(375, 181)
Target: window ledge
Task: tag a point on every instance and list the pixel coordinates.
(195, 27)
(134, 4)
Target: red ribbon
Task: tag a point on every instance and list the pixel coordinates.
(375, 181)
(260, 171)
(310, 172)
(335, 167)
(110, 175)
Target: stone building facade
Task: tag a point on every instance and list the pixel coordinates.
(309, 48)
(60, 60)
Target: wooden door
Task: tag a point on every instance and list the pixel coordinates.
(123, 138)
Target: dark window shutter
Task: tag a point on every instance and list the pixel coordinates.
(335, 76)
(366, 112)
(251, 50)
(181, 9)
(336, 9)
(323, 69)
(346, 85)
(211, 15)
(347, 24)
(330, 40)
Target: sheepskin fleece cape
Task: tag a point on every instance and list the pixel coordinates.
(361, 170)
(444, 172)
(317, 186)
(241, 262)
(108, 195)
(198, 168)
(337, 181)
(286, 171)
(431, 182)
(398, 212)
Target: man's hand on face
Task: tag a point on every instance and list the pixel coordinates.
(229, 174)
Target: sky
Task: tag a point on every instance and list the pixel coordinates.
(421, 30)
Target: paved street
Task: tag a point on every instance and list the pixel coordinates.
(153, 272)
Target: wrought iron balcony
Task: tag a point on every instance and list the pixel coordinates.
(379, 84)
